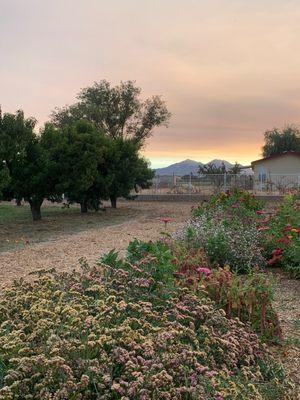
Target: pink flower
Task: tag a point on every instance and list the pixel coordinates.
(262, 228)
(165, 220)
(203, 270)
(277, 252)
(287, 228)
(234, 206)
(264, 221)
(285, 240)
(259, 212)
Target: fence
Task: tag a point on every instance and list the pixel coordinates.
(272, 184)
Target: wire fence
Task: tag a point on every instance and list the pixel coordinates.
(273, 184)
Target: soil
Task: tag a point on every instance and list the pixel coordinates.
(62, 252)
(287, 305)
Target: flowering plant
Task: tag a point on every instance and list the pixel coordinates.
(225, 239)
(281, 239)
(107, 332)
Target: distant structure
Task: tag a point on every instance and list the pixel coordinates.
(279, 171)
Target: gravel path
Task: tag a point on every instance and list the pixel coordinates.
(287, 305)
(64, 253)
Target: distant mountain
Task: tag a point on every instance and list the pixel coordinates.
(189, 166)
(181, 168)
(219, 163)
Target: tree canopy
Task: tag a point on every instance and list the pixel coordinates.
(79, 152)
(125, 169)
(279, 140)
(118, 111)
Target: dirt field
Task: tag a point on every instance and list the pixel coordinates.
(59, 247)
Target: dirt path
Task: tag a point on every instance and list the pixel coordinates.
(287, 305)
(64, 253)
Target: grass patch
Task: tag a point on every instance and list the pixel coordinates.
(17, 229)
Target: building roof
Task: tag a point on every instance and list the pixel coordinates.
(285, 153)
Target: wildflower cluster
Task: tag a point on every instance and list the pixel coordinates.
(116, 331)
(225, 238)
(241, 201)
(281, 235)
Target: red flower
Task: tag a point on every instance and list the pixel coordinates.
(274, 259)
(277, 252)
(165, 220)
(265, 221)
(259, 212)
(287, 228)
(284, 239)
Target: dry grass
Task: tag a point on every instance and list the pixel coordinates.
(64, 236)
(18, 230)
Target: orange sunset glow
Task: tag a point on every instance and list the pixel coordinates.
(228, 70)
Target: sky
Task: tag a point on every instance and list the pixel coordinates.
(227, 69)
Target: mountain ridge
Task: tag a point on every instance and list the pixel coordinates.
(189, 166)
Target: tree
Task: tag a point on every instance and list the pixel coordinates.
(4, 177)
(118, 111)
(278, 141)
(79, 151)
(125, 170)
(213, 174)
(211, 169)
(235, 169)
(35, 176)
(15, 131)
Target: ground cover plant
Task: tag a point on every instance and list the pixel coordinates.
(118, 331)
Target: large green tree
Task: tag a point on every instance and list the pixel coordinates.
(279, 140)
(79, 151)
(15, 132)
(125, 170)
(118, 111)
(33, 175)
(4, 177)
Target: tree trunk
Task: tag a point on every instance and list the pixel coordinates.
(113, 201)
(83, 207)
(35, 207)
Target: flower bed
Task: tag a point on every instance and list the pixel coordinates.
(170, 321)
(125, 333)
(226, 228)
(281, 235)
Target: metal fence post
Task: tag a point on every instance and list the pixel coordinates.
(225, 182)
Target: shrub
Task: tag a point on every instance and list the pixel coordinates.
(225, 239)
(248, 297)
(240, 202)
(281, 236)
(105, 333)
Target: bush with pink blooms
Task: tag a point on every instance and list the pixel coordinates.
(281, 235)
(110, 332)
